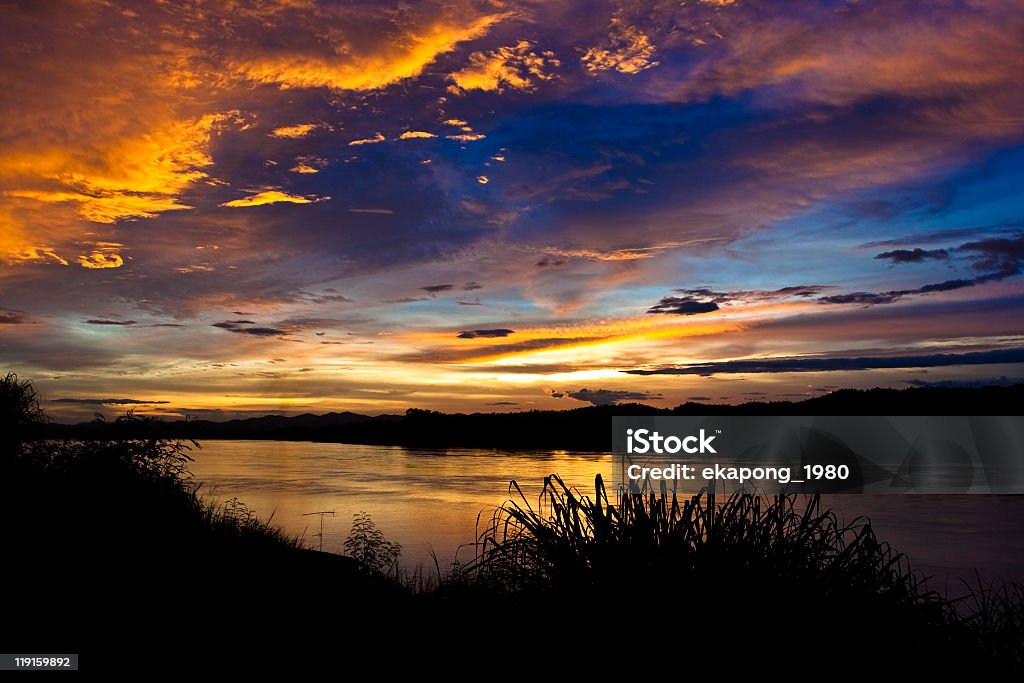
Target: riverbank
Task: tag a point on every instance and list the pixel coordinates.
(114, 534)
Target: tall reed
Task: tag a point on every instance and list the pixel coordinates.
(571, 541)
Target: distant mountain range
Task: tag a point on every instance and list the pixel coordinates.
(263, 427)
(585, 428)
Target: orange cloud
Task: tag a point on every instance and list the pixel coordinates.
(131, 177)
(413, 134)
(617, 254)
(629, 51)
(272, 197)
(104, 255)
(343, 68)
(368, 141)
(308, 164)
(298, 131)
(517, 66)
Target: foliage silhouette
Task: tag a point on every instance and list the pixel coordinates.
(368, 546)
(20, 413)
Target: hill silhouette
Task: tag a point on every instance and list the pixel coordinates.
(581, 429)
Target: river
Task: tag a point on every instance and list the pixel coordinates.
(429, 501)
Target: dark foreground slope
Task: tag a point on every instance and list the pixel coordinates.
(582, 429)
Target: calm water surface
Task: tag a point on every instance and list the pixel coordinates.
(430, 500)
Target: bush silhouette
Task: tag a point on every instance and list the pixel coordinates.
(20, 413)
(367, 545)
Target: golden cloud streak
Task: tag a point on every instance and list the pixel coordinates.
(272, 197)
(298, 131)
(368, 141)
(578, 350)
(620, 254)
(403, 58)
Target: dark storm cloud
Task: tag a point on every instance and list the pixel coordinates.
(682, 306)
(610, 397)
(502, 403)
(100, 321)
(488, 334)
(470, 286)
(108, 401)
(802, 364)
(698, 398)
(240, 327)
(913, 255)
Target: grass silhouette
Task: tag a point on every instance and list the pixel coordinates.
(771, 577)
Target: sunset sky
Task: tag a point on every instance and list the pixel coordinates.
(237, 208)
